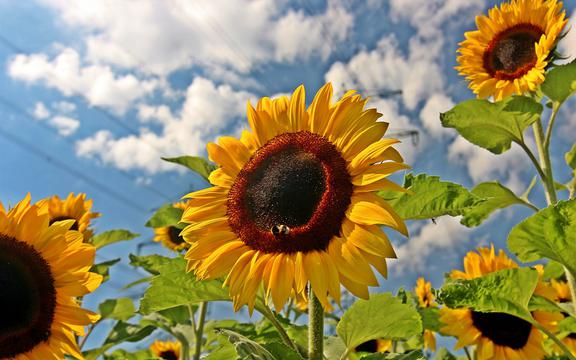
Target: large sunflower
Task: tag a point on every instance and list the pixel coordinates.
(74, 207)
(498, 336)
(510, 50)
(168, 350)
(423, 291)
(43, 269)
(170, 235)
(294, 201)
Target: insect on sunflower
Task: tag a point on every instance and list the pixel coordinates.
(294, 201)
(43, 269)
(512, 47)
(497, 336)
(170, 236)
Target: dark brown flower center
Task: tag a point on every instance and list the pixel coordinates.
(503, 329)
(175, 236)
(370, 346)
(291, 196)
(27, 297)
(62, 218)
(169, 355)
(512, 53)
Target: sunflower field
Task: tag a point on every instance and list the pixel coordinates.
(293, 227)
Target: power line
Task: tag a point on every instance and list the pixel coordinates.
(64, 167)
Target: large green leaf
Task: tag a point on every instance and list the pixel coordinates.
(560, 82)
(550, 233)
(412, 355)
(119, 309)
(166, 216)
(570, 157)
(505, 291)
(197, 164)
(429, 197)
(111, 237)
(150, 263)
(430, 318)
(493, 126)
(122, 332)
(103, 268)
(382, 316)
(249, 349)
(497, 197)
(175, 287)
(125, 355)
(552, 270)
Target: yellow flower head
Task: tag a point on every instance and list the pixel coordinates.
(43, 269)
(496, 335)
(561, 291)
(375, 346)
(170, 236)
(294, 201)
(168, 350)
(76, 208)
(510, 50)
(424, 293)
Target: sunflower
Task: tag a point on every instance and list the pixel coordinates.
(425, 297)
(43, 269)
(168, 350)
(170, 235)
(498, 336)
(512, 47)
(76, 208)
(294, 201)
(375, 346)
(562, 295)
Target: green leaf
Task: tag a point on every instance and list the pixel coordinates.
(246, 348)
(543, 304)
(560, 82)
(430, 318)
(121, 333)
(166, 216)
(493, 126)
(550, 233)
(566, 327)
(119, 309)
(429, 198)
(444, 354)
(552, 270)
(111, 237)
(570, 157)
(103, 268)
(495, 292)
(175, 287)
(412, 355)
(497, 197)
(197, 164)
(382, 316)
(334, 347)
(125, 355)
(150, 263)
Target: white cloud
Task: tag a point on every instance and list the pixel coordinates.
(66, 126)
(207, 112)
(98, 84)
(64, 107)
(40, 111)
(414, 255)
(568, 44)
(430, 114)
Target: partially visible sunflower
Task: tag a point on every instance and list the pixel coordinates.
(170, 236)
(74, 207)
(375, 346)
(294, 201)
(498, 336)
(425, 297)
(562, 295)
(43, 269)
(512, 47)
(167, 350)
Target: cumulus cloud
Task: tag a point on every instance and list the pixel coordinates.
(568, 44)
(40, 111)
(415, 253)
(98, 84)
(430, 114)
(64, 107)
(207, 112)
(66, 126)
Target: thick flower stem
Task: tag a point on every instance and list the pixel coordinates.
(315, 327)
(200, 329)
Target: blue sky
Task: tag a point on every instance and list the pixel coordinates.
(93, 93)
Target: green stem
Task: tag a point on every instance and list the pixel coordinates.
(345, 355)
(85, 338)
(533, 159)
(548, 137)
(560, 344)
(547, 177)
(200, 330)
(467, 353)
(315, 328)
(265, 310)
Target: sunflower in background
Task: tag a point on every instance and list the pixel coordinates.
(498, 336)
(167, 350)
(76, 208)
(375, 346)
(170, 236)
(43, 269)
(512, 47)
(562, 295)
(294, 201)
(423, 291)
